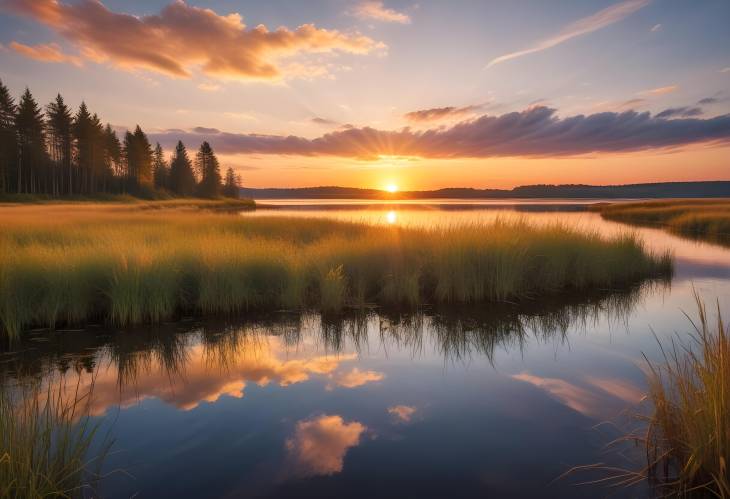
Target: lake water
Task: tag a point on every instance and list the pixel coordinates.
(489, 401)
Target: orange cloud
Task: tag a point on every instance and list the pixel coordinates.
(319, 445)
(376, 10)
(660, 91)
(182, 37)
(403, 413)
(49, 52)
(356, 377)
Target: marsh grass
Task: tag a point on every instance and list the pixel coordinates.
(45, 444)
(707, 219)
(686, 433)
(66, 264)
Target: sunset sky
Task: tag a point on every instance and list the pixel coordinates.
(415, 93)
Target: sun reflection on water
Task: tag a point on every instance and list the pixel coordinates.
(391, 217)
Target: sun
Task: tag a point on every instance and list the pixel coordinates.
(391, 188)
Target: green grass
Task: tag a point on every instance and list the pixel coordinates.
(707, 219)
(45, 443)
(67, 264)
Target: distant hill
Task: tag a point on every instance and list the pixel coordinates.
(570, 191)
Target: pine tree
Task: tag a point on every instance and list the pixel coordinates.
(8, 141)
(83, 134)
(232, 184)
(59, 145)
(182, 179)
(30, 129)
(159, 168)
(144, 158)
(113, 155)
(208, 169)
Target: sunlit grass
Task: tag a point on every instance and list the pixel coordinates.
(688, 440)
(67, 264)
(45, 444)
(700, 218)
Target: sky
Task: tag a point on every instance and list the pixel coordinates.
(419, 94)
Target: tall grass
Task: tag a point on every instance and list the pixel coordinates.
(707, 219)
(688, 438)
(45, 442)
(68, 264)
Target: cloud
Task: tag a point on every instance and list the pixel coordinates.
(319, 445)
(660, 90)
(403, 413)
(725, 70)
(708, 100)
(632, 103)
(439, 113)
(684, 112)
(49, 52)
(376, 10)
(356, 377)
(324, 121)
(182, 37)
(534, 132)
(655, 28)
(583, 26)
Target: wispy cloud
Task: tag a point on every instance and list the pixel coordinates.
(660, 90)
(376, 10)
(655, 28)
(324, 121)
(683, 112)
(580, 27)
(49, 52)
(725, 70)
(182, 38)
(535, 132)
(209, 87)
(440, 113)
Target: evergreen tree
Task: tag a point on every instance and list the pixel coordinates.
(182, 179)
(231, 185)
(59, 145)
(83, 134)
(8, 141)
(208, 168)
(144, 158)
(113, 155)
(159, 168)
(30, 130)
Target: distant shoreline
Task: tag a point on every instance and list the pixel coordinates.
(703, 189)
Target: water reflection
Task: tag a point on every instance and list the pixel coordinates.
(187, 367)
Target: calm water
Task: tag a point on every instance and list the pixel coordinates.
(493, 401)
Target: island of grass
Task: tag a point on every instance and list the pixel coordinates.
(123, 264)
(706, 219)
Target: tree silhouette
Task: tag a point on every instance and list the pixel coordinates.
(60, 142)
(209, 172)
(8, 140)
(232, 184)
(30, 129)
(160, 172)
(182, 179)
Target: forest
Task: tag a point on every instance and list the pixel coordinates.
(55, 152)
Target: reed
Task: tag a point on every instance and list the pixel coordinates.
(688, 437)
(707, 219)
(66, 264)
(45, 444)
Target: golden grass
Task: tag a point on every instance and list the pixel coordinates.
(66, 264)
(707, 219)
(688, 438)
(45, 443)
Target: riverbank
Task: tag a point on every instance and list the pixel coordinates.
(706, 219)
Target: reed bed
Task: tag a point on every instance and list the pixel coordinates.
(707, 219)
(69, 264)
(688, 438)
(45, 444)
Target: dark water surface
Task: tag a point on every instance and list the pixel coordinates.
(489, 401)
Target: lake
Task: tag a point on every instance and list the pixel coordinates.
(495, 400)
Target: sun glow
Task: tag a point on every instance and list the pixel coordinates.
(391, 188)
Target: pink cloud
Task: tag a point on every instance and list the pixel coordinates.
(49, 52)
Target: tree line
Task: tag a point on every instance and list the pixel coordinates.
(56, 152)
